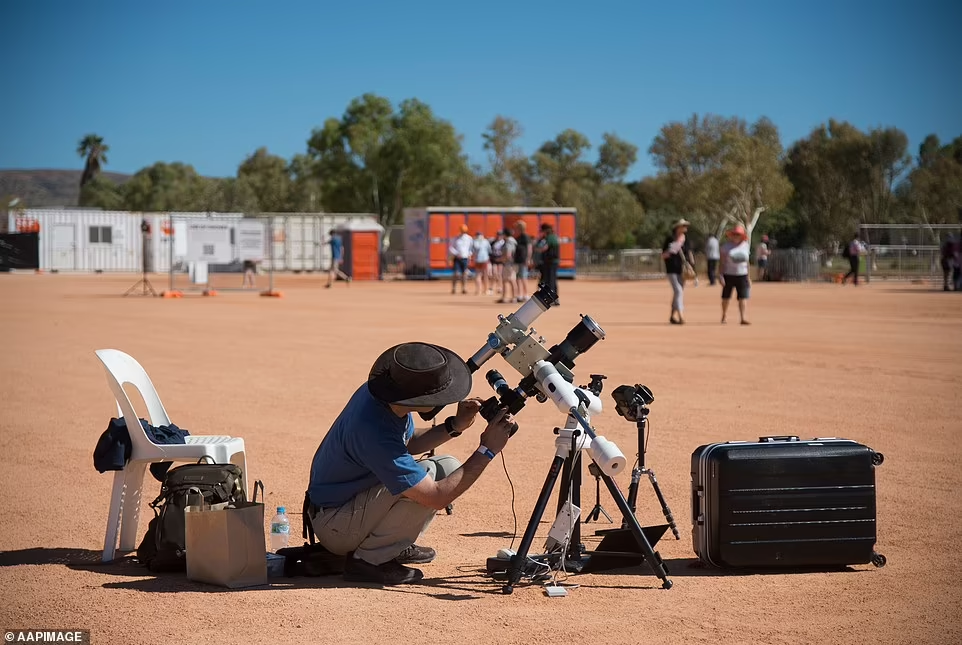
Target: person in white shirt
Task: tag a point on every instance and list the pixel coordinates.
(712, 254)
(734, 261)
(761, 257)
(481, 250)
(460, 250)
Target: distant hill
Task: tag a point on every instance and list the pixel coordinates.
(39, 188)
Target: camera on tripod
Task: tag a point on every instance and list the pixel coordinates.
(632, 401)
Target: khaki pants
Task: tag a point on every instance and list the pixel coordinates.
(376, 525)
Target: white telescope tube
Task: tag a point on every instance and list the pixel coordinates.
(561, 391)
(529, 312)
(607, 455)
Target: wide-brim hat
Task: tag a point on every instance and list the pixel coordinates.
(681, 222)
(419, 375)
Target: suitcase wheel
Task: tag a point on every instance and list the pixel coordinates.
(877, 458)
(878, 560)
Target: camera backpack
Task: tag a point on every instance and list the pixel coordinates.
(163, 547)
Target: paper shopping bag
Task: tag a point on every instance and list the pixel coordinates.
(225, 546)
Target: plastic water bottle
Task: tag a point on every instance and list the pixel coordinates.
(280, 529)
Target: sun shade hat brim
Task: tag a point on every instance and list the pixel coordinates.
(419, 375)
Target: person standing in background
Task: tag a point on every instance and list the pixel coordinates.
(497, 262)
(734, 260)
(675, 252)
(460, 251)
(947, 259)
(337, 258)
(508, 267)
(712, 254)
(481, 250)
(852, 251)
(761, 258)
(549, 249)
(522, 258)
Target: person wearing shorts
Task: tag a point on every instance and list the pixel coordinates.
(250, 270)
(734, 261)
(461, 248)
(508, 267)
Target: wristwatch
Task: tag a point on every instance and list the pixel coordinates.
(449, 426)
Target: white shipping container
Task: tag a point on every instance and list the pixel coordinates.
(95, 240)
(301, 239)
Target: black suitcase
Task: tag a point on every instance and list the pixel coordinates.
(780, 502)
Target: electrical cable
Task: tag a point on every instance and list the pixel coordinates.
(514, 514)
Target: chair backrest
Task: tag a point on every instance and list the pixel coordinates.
(123, 369)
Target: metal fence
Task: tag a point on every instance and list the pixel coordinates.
(625, 264)
(794, 265)
(784, 265)
(896, 263)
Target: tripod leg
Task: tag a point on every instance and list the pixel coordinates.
(632, 493)
(651, 556)
(518, 560)
(595, 514)
(664, 504)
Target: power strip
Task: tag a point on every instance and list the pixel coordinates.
(563, 525)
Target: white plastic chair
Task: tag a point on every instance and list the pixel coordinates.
(125, 500)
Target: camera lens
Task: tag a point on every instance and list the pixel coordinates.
(495, 380)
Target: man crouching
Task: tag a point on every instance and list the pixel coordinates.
(370, 499)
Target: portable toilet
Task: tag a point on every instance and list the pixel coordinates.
(362, 249)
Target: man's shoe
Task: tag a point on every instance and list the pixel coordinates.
(415, 554)
(389, 573)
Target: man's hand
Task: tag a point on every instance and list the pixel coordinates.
(467, 412)
(496, 435)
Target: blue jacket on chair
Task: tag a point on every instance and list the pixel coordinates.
(114, 446)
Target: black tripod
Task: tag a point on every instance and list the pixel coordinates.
(148, 289)
(569, 445)
(638, 411)
(596, 513)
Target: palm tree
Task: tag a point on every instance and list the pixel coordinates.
(95, 150)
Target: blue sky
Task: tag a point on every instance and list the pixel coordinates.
(207, 82)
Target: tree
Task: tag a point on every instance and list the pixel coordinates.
(884, 160)
(719, 169)
(268, 177)
(500, 141)
(305, 190)
(613, 215)
(169, 187)
(560, 168)
(843, 176)
(100, 192)
(377, 160)
(615, 158)
(93, 149)
(932, 193)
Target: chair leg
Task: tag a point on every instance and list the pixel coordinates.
(113, 515)
(132, 503)
(239, 459)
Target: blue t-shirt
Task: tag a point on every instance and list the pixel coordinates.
(337, 247)
(366, 446)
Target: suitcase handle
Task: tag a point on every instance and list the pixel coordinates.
(780, 437)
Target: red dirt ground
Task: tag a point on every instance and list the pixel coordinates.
(881, 364)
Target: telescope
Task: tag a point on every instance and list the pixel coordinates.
(546, 373)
